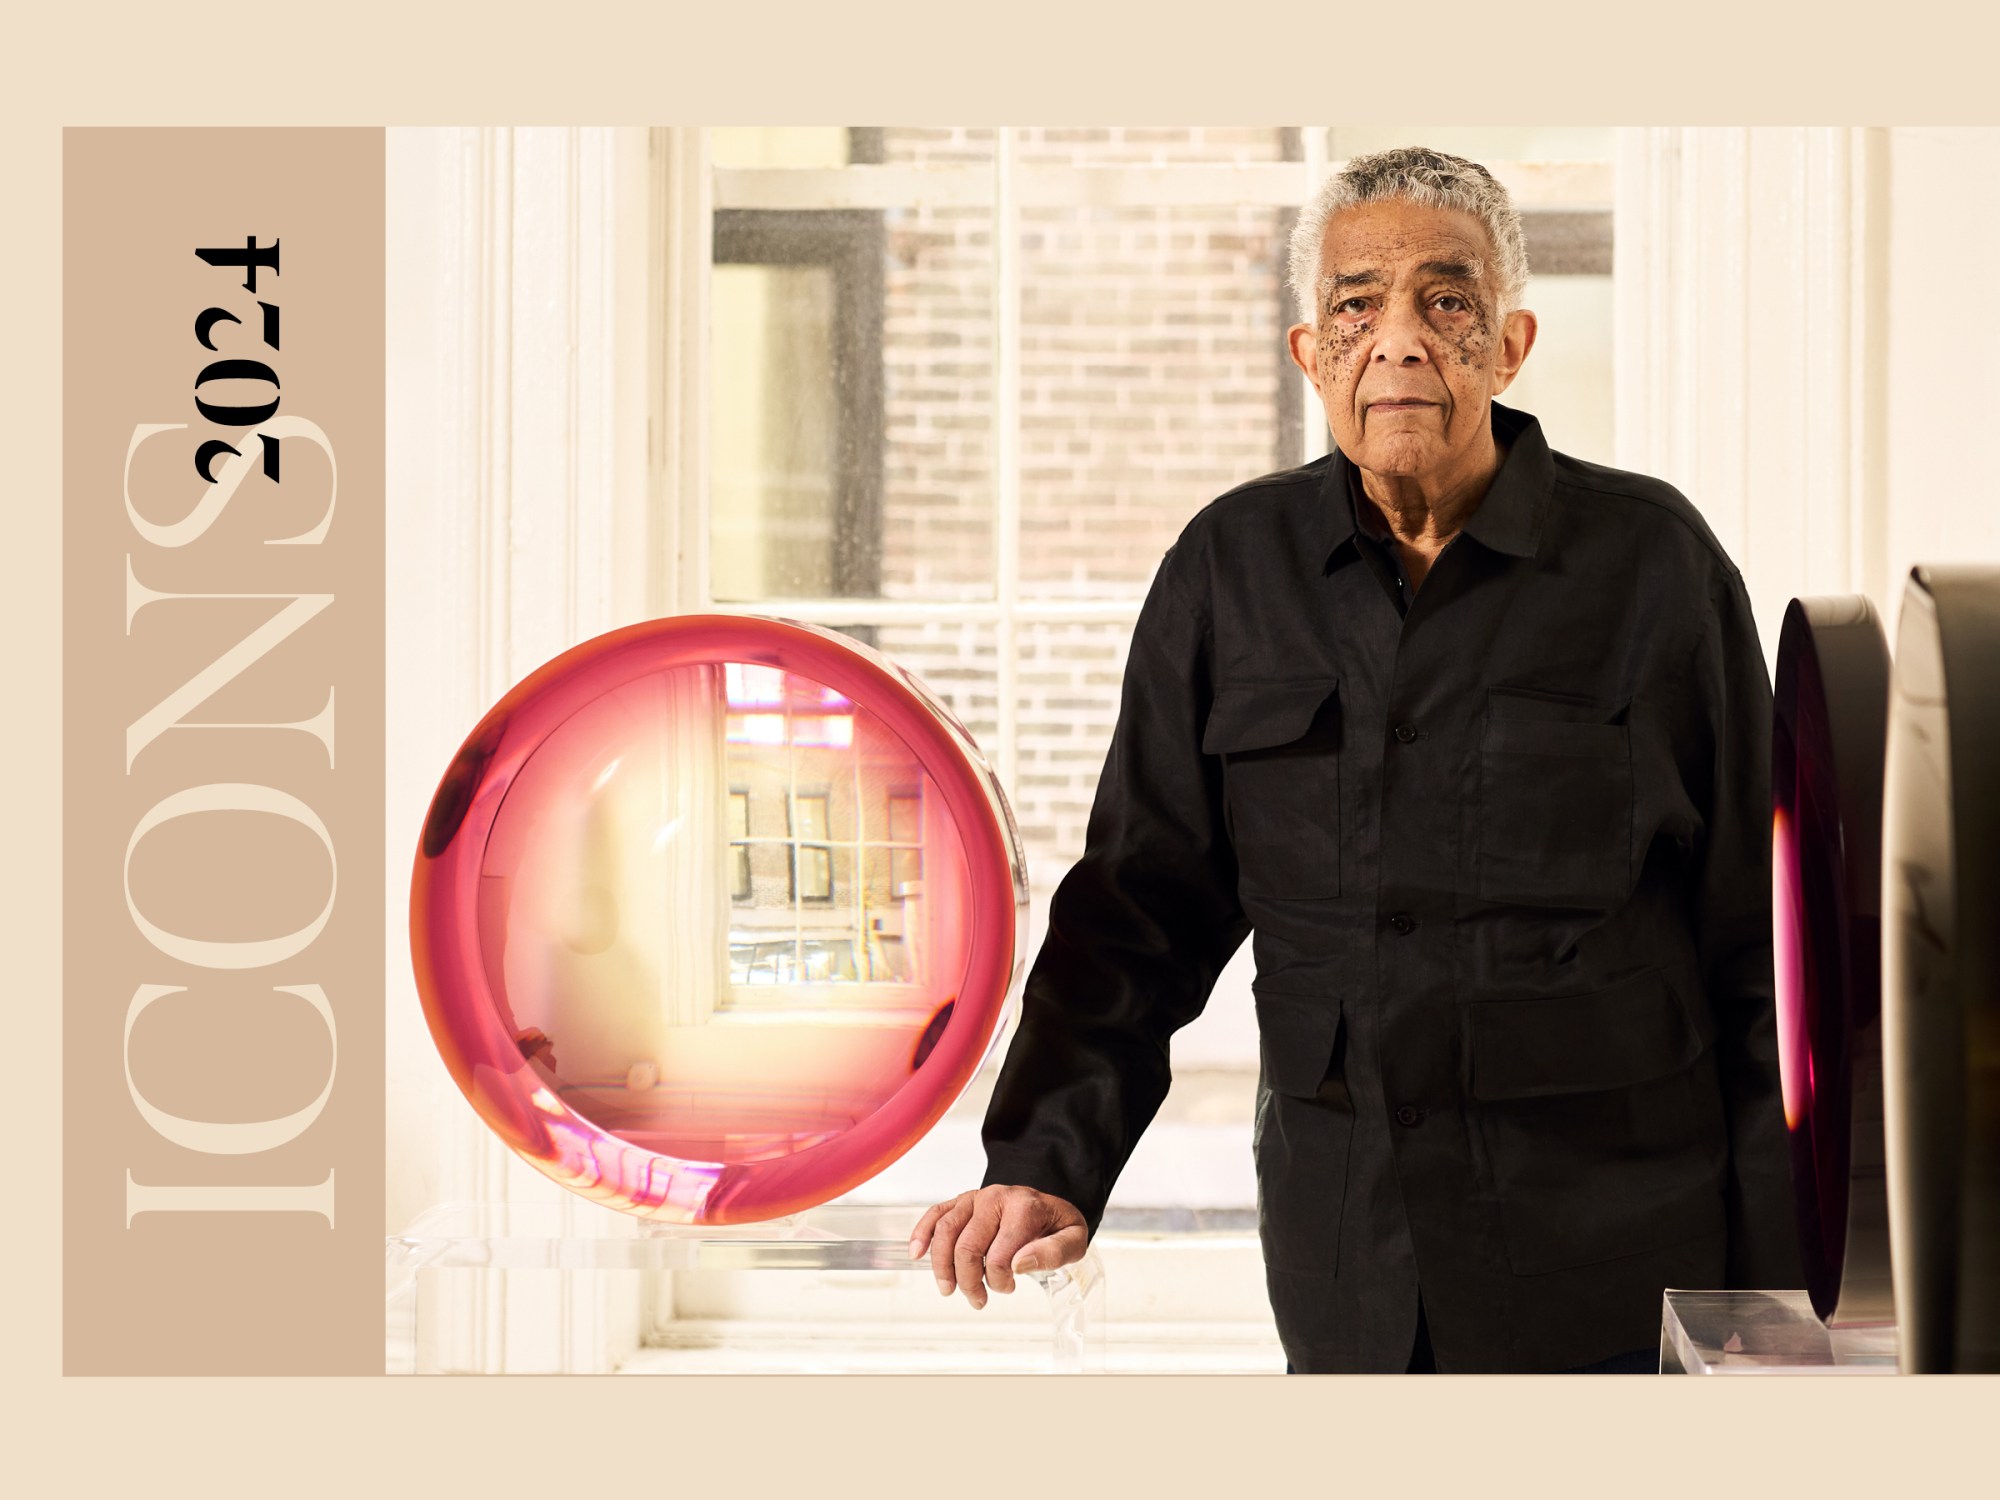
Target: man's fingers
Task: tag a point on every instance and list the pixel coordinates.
(969, 1259)
(951, 1219)
(1022, 1219)
(920, 1237)
(981, 1239)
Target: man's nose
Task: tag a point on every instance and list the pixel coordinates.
(1400, 337)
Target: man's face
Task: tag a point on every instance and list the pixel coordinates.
(1409, 347)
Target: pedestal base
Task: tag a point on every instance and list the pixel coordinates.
(1765, 1333)
(487, 1241)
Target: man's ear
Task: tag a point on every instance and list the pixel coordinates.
(1517, 337)
(1302, 340)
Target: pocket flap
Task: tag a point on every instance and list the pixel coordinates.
(1296, 1035)
(1557, 708)
(1611, 1038)
(1261, 715)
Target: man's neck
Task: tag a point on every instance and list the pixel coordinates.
(1424, 511)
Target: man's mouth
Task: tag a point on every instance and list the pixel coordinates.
(1400, 404)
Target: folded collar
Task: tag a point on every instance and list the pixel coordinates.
(1508, 519)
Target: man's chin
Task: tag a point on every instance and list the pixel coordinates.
(1395, 458)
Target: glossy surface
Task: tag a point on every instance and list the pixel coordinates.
(1830, 718)
(713, 917)
(1941, 970)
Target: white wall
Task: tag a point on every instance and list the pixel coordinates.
(1942, 368)
(1801, 350)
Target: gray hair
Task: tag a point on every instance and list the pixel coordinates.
(1421, 176)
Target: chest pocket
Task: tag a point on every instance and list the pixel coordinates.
(1280, 749)
(1555, 802)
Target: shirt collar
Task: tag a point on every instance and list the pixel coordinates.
(1508, 519)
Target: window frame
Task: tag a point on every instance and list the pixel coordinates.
(690, 191)
(1567, 205)
(850, 244)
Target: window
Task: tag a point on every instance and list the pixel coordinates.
(797, 455)
(812, 863)
(963, 388)
(968, 384)
(977, 381)
(739, 848)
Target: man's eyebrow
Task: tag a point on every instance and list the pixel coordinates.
(1347, 279)
(1455, 270)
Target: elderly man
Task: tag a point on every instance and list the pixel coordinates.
(1475, 737)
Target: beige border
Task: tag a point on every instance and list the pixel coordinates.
(376, 63)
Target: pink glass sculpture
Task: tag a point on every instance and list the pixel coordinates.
(715, 916)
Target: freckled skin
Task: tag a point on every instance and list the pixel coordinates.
(1390, 324)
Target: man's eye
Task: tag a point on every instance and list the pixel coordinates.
(1353, 306)
(1450, 302)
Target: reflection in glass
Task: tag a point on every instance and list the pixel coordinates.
(656, 930)
(1920, 1030)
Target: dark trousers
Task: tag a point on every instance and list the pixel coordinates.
(1423, 1360)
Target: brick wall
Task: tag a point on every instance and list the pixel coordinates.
(1150, 382)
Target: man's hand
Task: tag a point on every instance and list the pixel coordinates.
(984, 1237)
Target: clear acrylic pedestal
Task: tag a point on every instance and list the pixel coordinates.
(473, 1238)
(1765, 1333)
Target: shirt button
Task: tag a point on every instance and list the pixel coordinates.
(1406, 732)
(1409, 1114)
(1403, 922)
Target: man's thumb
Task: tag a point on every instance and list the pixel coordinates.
(1044, 1254)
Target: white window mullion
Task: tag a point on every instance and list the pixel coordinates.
(683, 232)
(863, 611)
(1533, 184)
(1313, 430)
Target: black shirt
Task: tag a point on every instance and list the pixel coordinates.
(1504, 842)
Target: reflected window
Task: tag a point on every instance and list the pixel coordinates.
(739, 848)
(906, 834)
(812, 863)
(814, 873)
(811, 814)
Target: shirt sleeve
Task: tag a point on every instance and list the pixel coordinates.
(1138, 931)
(1733, 932)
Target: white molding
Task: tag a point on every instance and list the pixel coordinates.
(1534, 185)
(920, 611)
(682, 256)
(1317, 436)
(517, 463)
(1749, 266)
(1868, 355)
